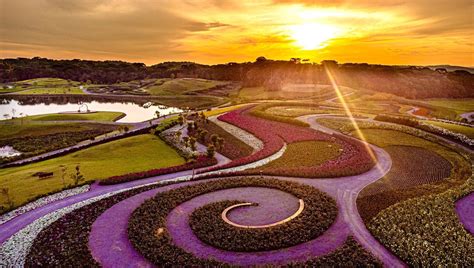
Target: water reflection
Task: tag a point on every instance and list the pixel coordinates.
(31, 106)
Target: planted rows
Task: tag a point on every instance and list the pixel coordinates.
(411, 166)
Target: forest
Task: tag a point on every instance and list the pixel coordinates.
(413, 82)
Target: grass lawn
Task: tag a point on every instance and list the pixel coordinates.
(468, 131)
(133, 154)
(180, 86)
(99, 116)
(458, 105)
(53, 90)
(222, 110)
(48, 82)
(10, 90)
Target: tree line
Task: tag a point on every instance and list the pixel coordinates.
(407, 81)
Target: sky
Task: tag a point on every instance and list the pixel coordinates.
(398, 32)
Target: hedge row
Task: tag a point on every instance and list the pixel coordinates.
(152, 215)
(350, 254)
(318, 214)
(201, 161)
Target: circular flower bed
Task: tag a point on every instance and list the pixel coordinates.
(149, 235)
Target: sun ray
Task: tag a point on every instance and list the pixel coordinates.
(348, 112)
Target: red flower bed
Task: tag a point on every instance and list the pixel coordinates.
(353, 160)
(201, 161)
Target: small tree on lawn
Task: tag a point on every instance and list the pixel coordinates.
(77, 177)
(63, 174)
(211, 150)
(6, 196)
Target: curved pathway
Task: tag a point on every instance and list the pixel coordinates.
(344, 190)
(465, 211)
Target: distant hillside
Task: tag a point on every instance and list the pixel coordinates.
(451, 68)
(407, 81)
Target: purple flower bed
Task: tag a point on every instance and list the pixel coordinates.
(149, 234)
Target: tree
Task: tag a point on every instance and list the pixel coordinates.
(6, 195)
(192, 143)
(63, 174)
(157, 113)
(220, 142)
(178, 134)
(77, 177)
(180, 120)
(211, 150)
(186, 141)
(214, 138)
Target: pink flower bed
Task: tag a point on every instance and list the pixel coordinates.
(201, 161)
(272, 134)
(353, 160)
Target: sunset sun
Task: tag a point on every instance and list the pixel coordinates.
(310, 36)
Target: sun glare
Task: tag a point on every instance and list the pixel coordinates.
(310, 36)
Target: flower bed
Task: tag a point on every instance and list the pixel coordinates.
(272, 134)
(149, 235)
(351, 254)
(411, 166)
(70, 234)
(201, 161)
(318, 214)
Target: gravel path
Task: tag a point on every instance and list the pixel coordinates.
(239, 133)
(465, 211)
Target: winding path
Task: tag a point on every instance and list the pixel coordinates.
(110, 246)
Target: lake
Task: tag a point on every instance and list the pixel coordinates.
(134, 112)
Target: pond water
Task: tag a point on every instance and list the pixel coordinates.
(8, 151)
(134, 112)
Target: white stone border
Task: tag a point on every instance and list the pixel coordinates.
(43, 201)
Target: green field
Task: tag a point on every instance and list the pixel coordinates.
(98, 116)
(133, 154)
(53, 90)
(468, 131)
(180, 86)
(48, 82)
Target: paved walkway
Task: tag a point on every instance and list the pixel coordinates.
(465, 211)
